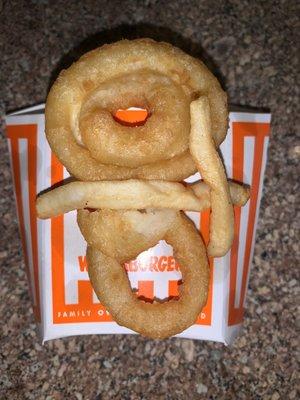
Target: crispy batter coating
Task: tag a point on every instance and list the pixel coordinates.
(77, 95)
(164, 135)
(124, 234)
(155, 320)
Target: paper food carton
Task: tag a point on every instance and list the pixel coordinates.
(64, 302)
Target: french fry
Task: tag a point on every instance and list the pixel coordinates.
(130, 195)
(210, 166)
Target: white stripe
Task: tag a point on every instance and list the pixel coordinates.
(262, 172)
(220, 293)
(95, 298)
(72, 248)
(66, 173)
(133, 278)
(44, 226)
(74, 245)
(195, 217)
(226, 151)
(23, 146)
(193, 178)
(23, 119)
(249, 144)
(161, 286)
(250, 117)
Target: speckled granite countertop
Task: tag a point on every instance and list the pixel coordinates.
(252, 47)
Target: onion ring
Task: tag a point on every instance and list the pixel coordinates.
(130, 195)
(156, 320)
(163, 136)
(124, 234)
(79, 86)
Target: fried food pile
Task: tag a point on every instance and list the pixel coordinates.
(128, 192)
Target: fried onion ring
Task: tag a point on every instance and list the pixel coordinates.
(124, 234)
(77, 101)
(163, 136)
(155, 320)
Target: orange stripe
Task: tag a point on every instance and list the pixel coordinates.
(205, 317)
(238, 174)
(234, 315)
(85, 293)
(173, 290)
(146, 289)
(57, 245)
(32, 174)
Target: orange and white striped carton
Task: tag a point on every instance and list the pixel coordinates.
(64, 302)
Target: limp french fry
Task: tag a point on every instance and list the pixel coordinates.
(209, 164)
(130, 195)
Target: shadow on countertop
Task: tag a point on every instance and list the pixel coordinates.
(143, 30)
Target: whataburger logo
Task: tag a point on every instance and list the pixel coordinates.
(155, 264)
(146, 288)
(152, 264)
(88, 311)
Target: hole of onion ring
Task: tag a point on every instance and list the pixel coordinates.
(146, 288)
(132, 117)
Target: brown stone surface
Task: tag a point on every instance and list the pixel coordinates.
(252, 46)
